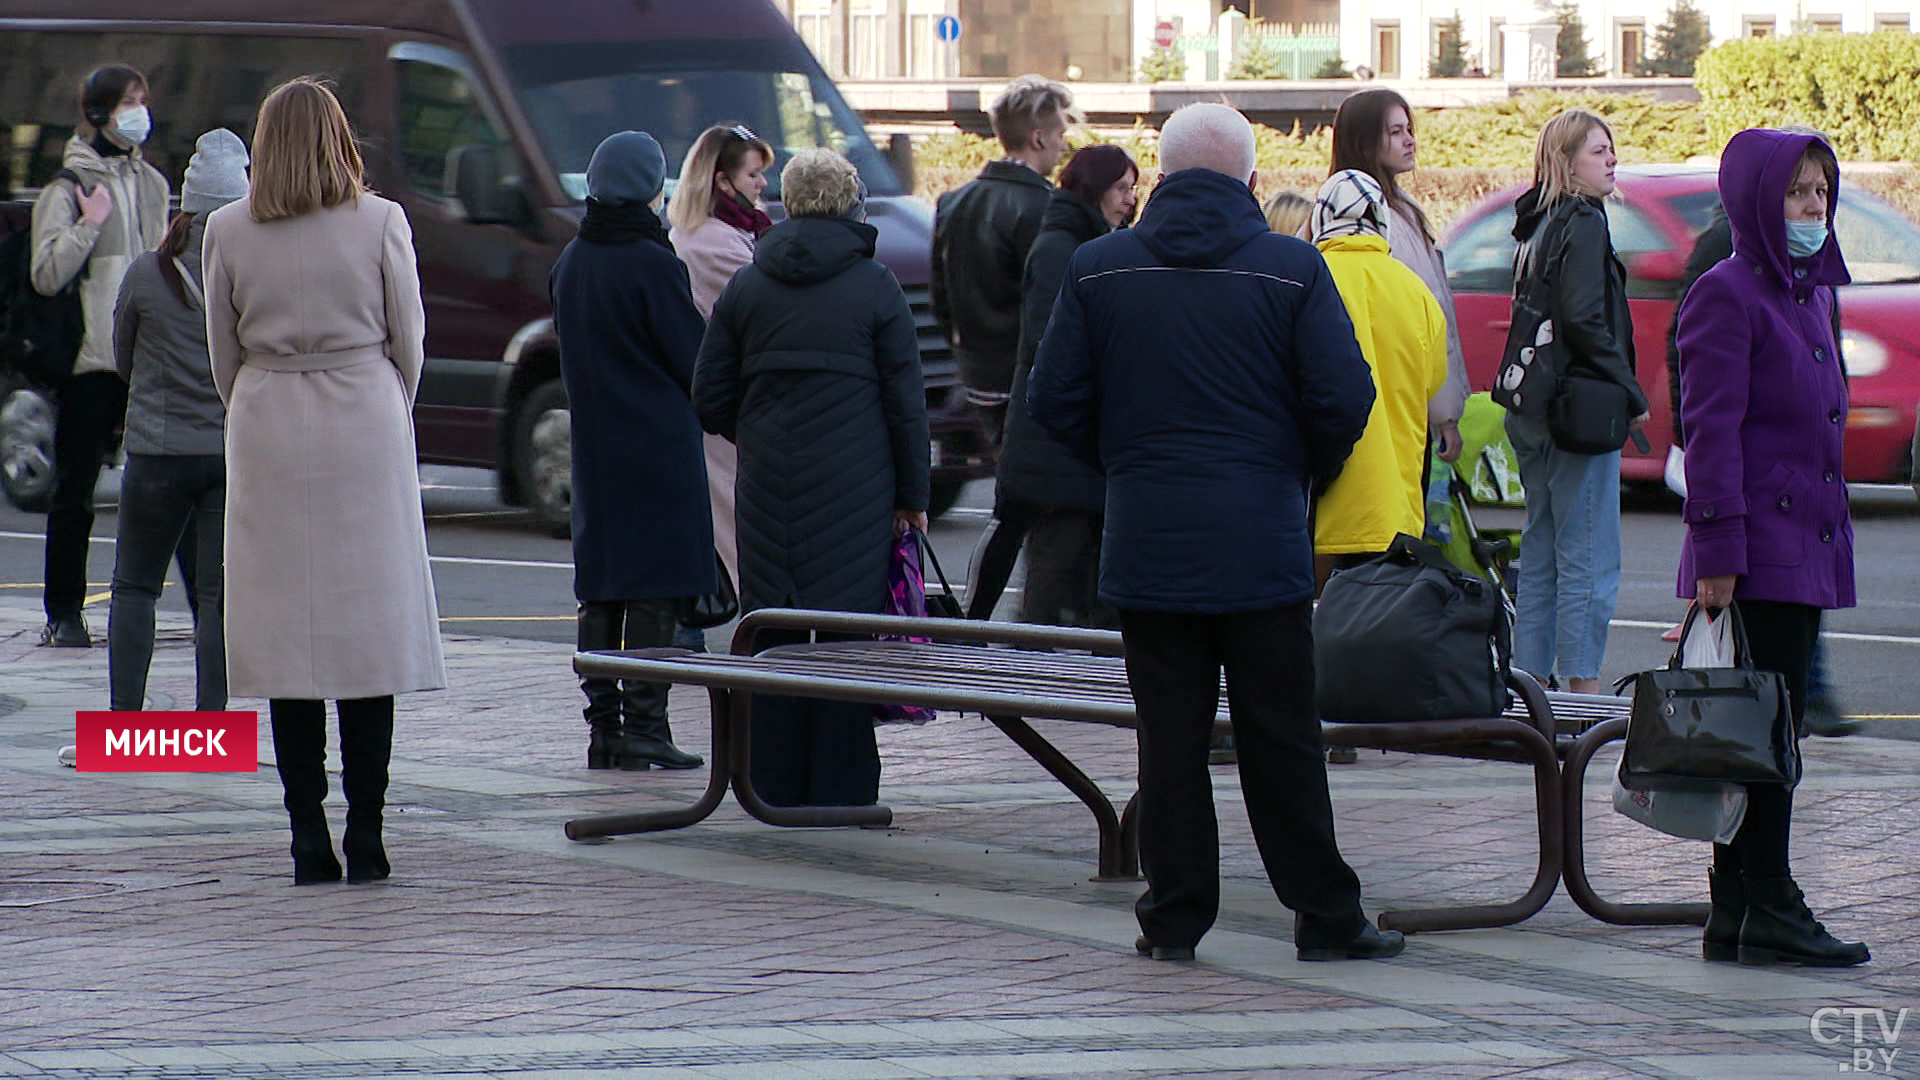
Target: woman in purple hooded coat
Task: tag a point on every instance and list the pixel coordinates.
(1764, 405)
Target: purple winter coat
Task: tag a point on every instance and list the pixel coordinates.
(1762, 397)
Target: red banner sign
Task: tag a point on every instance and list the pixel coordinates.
(167, 741)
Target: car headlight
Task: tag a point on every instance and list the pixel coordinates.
(1864, 354)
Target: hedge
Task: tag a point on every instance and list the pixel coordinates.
(1863, 90)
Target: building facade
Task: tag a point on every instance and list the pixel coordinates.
(1399, 39)
(1107, 40)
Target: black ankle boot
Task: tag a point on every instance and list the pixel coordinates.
(599, 626)
(649, 740)
(300, 754)
(1779, 929)
(1721, 940)
(366, 748)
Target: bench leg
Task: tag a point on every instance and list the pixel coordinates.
(1546, 786)
(740, 719)
(605, 825)
(1119, 859)
(1575, 871)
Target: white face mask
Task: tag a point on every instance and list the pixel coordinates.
(134, 125)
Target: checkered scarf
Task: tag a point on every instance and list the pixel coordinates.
(1350, 203)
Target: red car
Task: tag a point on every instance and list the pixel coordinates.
(1660, 209)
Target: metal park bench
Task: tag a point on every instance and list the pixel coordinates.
(1011, 673)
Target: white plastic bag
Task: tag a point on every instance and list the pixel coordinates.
(1709, 643)
(1676, 472)
(1710, 813)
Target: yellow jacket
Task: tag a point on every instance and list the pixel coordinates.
(1403, 333)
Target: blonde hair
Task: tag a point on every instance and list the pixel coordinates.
(1025, 106)
(719, 149)
(1560, 140)
(819, 183)
(304, 157)
(1287, 213)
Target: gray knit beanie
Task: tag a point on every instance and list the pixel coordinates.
(217, 175)
(628, 167)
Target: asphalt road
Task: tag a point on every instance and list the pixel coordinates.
(497, 575)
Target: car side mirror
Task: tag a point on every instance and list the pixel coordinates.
(1657, 266)
(473, 175)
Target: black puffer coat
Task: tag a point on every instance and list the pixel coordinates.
(1036, 470)
(811, 365)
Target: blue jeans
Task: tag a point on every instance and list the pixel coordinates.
(1569, 555)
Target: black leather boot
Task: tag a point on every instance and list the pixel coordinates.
(300, 754)
(599, 627)
(649, 739)
(366, 748)
(1779, 929)
(1721, 939)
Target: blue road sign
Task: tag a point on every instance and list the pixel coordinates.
(948, 28)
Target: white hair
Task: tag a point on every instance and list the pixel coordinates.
(1207, 136)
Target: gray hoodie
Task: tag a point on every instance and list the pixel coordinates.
(160, 346)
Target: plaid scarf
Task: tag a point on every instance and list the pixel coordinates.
(1350, 203)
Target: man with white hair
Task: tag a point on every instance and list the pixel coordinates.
(1208, 366)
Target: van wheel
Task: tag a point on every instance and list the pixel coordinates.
(26, 447)
(543, 457)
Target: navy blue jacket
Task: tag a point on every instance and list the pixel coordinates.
(629, 334)
(1208, 366)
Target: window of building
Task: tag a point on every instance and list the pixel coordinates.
(1824, 24)
(1629, 46)
(927, 56)
(814, 20)
(1386, 50)
(1759, 27)
(1441, 37)
(1892, 22)
(1496, 62)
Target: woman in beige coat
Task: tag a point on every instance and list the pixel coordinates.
(717, 220)
(316, 331)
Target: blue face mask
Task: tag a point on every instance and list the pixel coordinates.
(1805, 237)
(134, 125)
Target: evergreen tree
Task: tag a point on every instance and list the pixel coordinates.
(1679, 41)
(1450, 60)
(1258, 60)
(1332, 68)
(1574, 60)
(1163, 65)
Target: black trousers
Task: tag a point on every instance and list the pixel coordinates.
(1783, 637)
(1173, 667)
(1063, 570)
(91, 406)
(163, 500)
(808, 752)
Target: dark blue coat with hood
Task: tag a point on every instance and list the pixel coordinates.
(811, 365)
(1208, 366)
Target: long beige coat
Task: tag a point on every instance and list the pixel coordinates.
(715, 252)
(316, 331)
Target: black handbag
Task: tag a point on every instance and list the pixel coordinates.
(1409, 636)
(943, 604)
(716, 608)
(1723, 725)
(1589, 414)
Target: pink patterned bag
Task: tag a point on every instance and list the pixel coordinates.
(906, 595)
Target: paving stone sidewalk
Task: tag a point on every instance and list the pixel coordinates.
(149, 927)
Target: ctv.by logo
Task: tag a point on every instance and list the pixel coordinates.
(1874, 1046)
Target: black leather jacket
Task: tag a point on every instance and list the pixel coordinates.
(1571, 243)
(981, 235)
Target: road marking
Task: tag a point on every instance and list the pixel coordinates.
(1842, 635)
(509, 618)
(538, 564)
